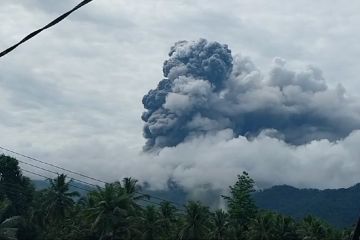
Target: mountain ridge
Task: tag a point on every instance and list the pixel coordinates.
(340, 207)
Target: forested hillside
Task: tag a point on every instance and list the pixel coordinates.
(340, 207)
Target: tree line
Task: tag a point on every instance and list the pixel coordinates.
(116, 211)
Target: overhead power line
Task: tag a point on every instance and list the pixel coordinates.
(52, 23)
(48, 178)
(50, 171)
(88, 190)
(16, 191)
(52, 165)
(75, 173)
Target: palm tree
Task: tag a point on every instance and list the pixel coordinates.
(168, 219)
(132, 189)
(59, 200)
(130, 185)
(196, 222)
(151, 223)
(8, 227)
(110, 211)
(262, 227)
(220, 223)
(314, 229)
(285, 228)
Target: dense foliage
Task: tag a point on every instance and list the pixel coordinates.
(119, 211)
(339, 207)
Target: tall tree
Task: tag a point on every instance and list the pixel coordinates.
(151, 223)
(111, 212)
(168, 220)
(241, 206)
(132, 189)
(312, 228)
(262, 227)
(220, 224)
(14, 186)
(59, 198)
(285, 228)
(197, 222)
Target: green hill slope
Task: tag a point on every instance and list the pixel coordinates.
(339, 207)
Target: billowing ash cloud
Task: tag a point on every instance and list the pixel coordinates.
(206, 90)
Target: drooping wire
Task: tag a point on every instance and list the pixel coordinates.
(51, 165)
(76, 173)
(90, 190)
(52, 23)
(16, 191)
(47, 178)
(50, 171)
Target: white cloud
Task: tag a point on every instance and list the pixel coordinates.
(72, 95)
(215, 160)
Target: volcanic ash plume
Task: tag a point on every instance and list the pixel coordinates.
(206, 90)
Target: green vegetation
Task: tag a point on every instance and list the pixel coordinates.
(339, 207)
(118, 211)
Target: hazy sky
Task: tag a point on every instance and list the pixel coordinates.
(72, 95)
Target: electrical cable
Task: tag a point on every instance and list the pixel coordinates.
(75, 173)
(52, 23)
